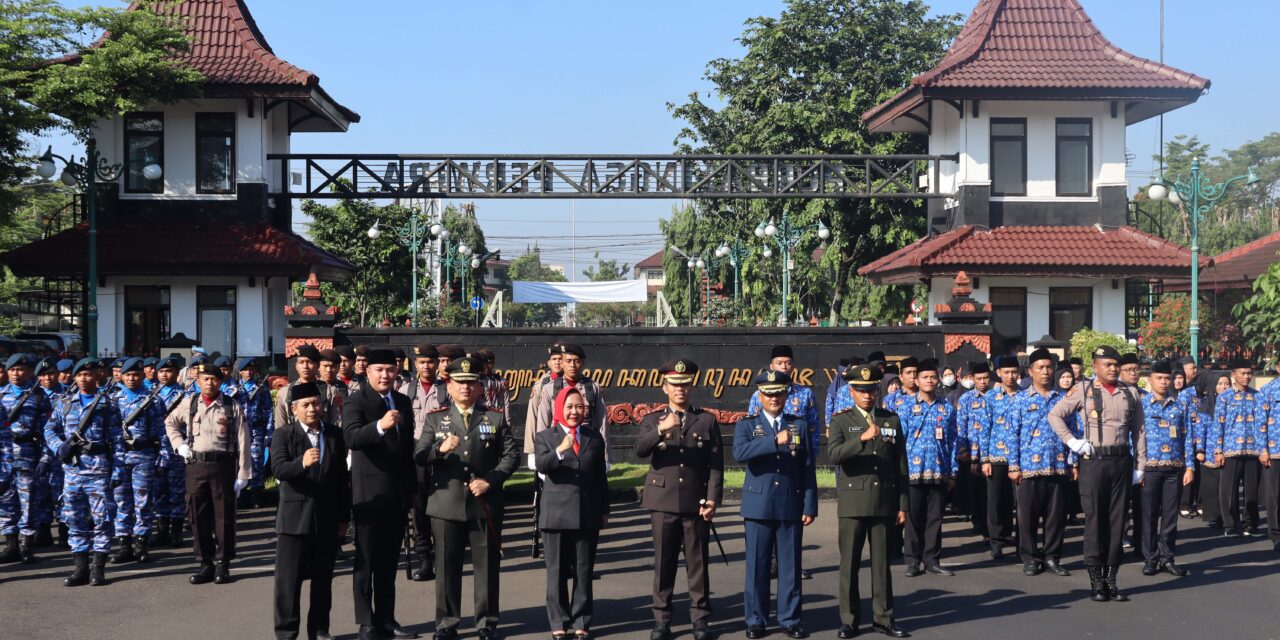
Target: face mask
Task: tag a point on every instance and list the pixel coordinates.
(967, 383)
(948, 381)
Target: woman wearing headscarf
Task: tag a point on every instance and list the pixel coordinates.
(1208, 385)
(888, 385)
(575, 506)
(1063, 379)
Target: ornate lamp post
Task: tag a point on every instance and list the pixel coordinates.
(1202, 196)
(788, 237)
(418, 229)
(736, 252)
(85, 175)
(455, 256)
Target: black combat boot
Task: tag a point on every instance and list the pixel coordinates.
(160, 535)
(80, 575)
(125, 554)
(27, 549)
(10, 553)
(1112, 590)
(96, 576)
(204, 575)
(426, 568)
(64, 536)
(1097, 590)
(141, 551)
(175, 532)
(43, 537)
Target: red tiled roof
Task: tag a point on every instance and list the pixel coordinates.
(233, 56)
(1032, 251)
(178, 248)
(652, 262)
(1045, 48)
(1237, 268)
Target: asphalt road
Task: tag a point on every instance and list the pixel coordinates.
(1233, 591)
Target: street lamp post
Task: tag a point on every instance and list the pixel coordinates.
(455, 256)
(737, 254)
(787, 236)
(1202, 197)
(690, 262)
(92, 169)
(419, 228)
(478, 262)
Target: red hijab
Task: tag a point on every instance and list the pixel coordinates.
(561, 397)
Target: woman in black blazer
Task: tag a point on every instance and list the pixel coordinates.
(575, 506)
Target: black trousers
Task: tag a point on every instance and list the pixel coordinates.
(570, 554)
(971, 498)
(211, 505)
(452, 539)
(1210, 506)
(1272, 474)
(672, 534)
(854, 534)
(300, 558)
(1040, 498)
(999, 502)
(1161, 491)
(423, 543)
(1190, 494)
(379, 536)
(1237, 470)
(924, 523)
(1104, 492)
(1135, 519)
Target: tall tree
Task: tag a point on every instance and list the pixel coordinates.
(380, 287)
(807, 77)
(529, 267)
(608, 314)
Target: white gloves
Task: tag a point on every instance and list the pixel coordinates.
(1137, 476)
(532, 465)
(1086, 449)
(240, 485)
(1076, 445)
(185, 451)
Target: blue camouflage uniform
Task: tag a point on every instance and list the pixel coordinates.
(1039, 451)
(999, 439)
(255, 400)
(26, 505)
(800, 403)
(971, 423)
(54, 477)
(6, 457)
(87, 501)
(930, 428)
(134, 480)
(171, 475)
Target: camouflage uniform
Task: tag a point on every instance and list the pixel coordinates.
(87, 502)
(255, 401)
(135, 477)
(26, 502)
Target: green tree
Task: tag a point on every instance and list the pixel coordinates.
(131, 68)
(529, 268)
(801, 87)
(1257, 315)
(380, 287)
(608, 314)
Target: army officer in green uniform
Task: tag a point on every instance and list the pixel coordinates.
(866, 444)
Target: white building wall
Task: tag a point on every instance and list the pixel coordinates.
(1108, 302)
(259, 310)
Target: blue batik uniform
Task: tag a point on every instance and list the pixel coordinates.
(1239, 423)
(1170, 444)
(971, 422)
(1271, 396)
(839, 401)
(930, 428)
(171, 475)
(134, 479)
(800, 403)
(999, 439)
(780, 487)
(255, 401)
(1039, 452)
(87, 502)
(28, 503)
(899, 401)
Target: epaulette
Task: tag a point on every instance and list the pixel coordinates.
(1074, 389)
(847, 410)
(750, 415)
(441, 409)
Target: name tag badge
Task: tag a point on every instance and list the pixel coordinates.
(759, 432)
(1173, 431)
(937, 433)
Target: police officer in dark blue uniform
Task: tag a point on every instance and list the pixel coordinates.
(779, 497)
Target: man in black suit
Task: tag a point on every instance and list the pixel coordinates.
(309, 459)
(471, 453)
(377, 424)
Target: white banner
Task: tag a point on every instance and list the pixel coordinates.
(553, 292)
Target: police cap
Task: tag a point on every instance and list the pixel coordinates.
(464, 369)
(773, 382)
(863, 377)
(1106, 353)
(680, 371)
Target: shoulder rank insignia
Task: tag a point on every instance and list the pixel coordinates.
(439, 410)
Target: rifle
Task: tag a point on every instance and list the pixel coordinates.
(76, 438)
(22, 399)
(133, 417)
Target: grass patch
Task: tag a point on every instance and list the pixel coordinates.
(733, 478)
(621, 476)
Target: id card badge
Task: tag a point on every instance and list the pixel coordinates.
(937, 433)
(1173, 431)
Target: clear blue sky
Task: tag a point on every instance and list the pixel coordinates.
(590, 76)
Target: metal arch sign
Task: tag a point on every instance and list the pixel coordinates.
(371, 176)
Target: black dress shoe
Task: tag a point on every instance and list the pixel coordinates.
(796, 631)
(847, 631)
(701, 630)
(805, 575)
(1031, 568)
(914, 570)
(892, 630)
(1253, 532)
(204, 575)
(445, 634)
(489, 633)
(224, 574)
(938, 570)
(394, 630)
(1055, 567)
(1232, 533)
(997, 550)
(755, 632)
(1150, 569)
(367, 632)
(321, 635)
(1173, 569)
(660, 632)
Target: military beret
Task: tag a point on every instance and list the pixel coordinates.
(200, 350)
(568, 348)
(1038, 355)
(464, 369)
(222, 361)
(928, 364)
(19, 360)
(150, 362)
(1106, 353)
(781, 351)
(65, 364)
(486, 354)
(362, 351)
(330, 356)
(44, 366)
(863, 377)
(346, 352)
(979, 367)
(303, 390)
(1128, 358)
(876, 356)
(244, 363)
(118, 362)
(132, 364)
(426, 350)
(309, 352)
(168, 363)
(1076, 361)
(1239, 363)
(908, 362)
(198, 359)
(1005, 362)
(680, 371)
(209, 370)
(771, 382)
(86, 364)
(451, 351)
(1163, 366)
(380, 356)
